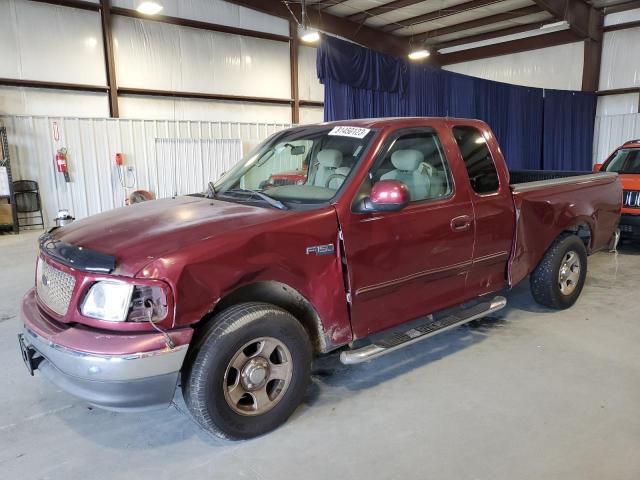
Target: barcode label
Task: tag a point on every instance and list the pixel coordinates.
(355, 132)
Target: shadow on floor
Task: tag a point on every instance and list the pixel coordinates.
(328, 372)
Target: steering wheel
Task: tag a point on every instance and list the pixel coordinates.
(333, 177)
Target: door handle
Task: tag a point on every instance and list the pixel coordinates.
(461, 223)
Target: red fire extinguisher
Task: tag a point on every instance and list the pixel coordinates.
(62, 164)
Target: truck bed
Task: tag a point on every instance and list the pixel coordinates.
(519, 177)
(550, 202)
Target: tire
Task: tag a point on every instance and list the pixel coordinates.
(547, 285)
(212, 386)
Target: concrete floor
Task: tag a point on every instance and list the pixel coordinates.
(527, 394)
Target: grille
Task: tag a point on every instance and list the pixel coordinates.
(631, 198)
(54, 287)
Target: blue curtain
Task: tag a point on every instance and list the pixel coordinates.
(568, 130)
(534, 131)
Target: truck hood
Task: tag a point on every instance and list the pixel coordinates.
(140, 233)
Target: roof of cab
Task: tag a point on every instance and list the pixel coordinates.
(399, 121)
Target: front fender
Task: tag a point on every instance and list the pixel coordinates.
(204, 274)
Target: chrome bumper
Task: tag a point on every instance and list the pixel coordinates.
(112, 380)
(106, 368)
(139, 381)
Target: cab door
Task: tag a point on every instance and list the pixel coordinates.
(493, 208)
(409, 263)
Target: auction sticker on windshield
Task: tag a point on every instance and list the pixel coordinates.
(355, 132)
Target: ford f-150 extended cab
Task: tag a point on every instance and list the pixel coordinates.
(403, 228)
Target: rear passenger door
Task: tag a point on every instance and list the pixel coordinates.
(408, 263)
(493, 209)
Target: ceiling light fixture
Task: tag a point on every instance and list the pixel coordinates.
(149, 8)
(305, 32)
(308, 35)
(419, 54)
(555, 25)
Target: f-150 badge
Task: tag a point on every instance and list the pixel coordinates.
(321, 249)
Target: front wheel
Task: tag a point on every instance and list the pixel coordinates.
(250, 372)
(559, 277)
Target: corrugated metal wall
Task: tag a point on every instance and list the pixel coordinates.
(611, 131)
(186, 165)
(92, 144)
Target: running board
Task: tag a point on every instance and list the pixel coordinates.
(397, 340)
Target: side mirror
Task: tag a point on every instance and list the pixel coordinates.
(597, 167)
(386, 196)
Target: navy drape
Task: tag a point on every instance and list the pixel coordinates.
(569, 119)
(533, 131)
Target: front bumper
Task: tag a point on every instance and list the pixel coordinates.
(630, 226)
(131, 371)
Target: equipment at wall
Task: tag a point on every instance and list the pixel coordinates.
(8, 211)
(63, 218)
(126, 176)
(28, 204)
(62, 163)
(141, 196)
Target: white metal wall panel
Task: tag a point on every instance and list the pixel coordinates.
(620, 67)
(169, 57)
(164, 108)
(50, 43)
(311, 115)
(558, 67)
(612, 131)
(617, 104)
(220, 12)
(92, 145)
(186, 165)
(35, 101)
(622, 17)
(309, 87)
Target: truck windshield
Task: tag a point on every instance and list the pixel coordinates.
(304, 165)
(625, 160)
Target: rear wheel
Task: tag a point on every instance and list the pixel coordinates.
(559, 277)
(250, 372)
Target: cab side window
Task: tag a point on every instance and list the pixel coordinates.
(417, 160)
(478, 160)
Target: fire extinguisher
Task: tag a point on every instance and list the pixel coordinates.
(62, 164)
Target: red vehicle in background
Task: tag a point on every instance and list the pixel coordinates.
(293, 177)
(625, 161)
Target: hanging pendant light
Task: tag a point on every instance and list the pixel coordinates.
(149, 7)
(305, 32)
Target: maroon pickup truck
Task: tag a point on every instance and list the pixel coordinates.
(401, 229)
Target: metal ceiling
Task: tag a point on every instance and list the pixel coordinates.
(437, 22)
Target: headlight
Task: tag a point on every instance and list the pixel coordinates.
(108, 301)
(119, 302)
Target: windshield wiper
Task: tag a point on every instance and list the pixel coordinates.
(211, 192)
(255, 193)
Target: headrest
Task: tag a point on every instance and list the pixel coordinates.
(408, 160)
(330, 158)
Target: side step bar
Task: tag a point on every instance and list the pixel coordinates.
(397, 340)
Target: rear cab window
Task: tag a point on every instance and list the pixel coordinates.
(478, 160)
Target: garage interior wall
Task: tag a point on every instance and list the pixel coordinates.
(36, 38)
(155, 149)
(618, 116)
(35, 41)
